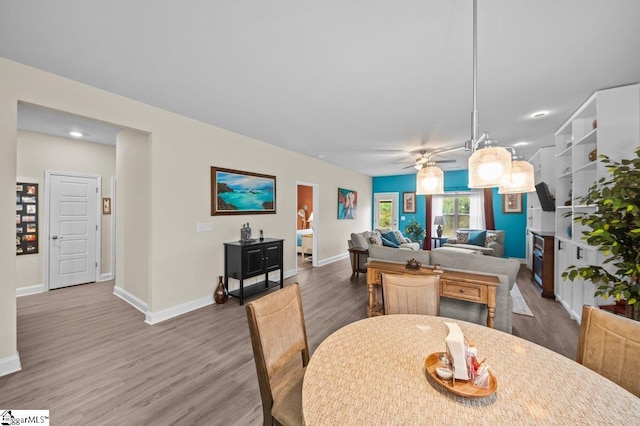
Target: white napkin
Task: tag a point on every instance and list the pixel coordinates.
(456, 348)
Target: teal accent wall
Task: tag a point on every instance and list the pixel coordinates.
(400, 184)
(513, 223)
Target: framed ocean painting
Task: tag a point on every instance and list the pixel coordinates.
(238, 192)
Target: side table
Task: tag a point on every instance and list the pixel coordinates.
(356, 267)
(439, 241)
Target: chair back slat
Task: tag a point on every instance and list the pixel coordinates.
(411, 294)
(610, 345)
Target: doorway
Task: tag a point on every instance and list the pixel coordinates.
(73, 238)
(306, 228)
(385, 210)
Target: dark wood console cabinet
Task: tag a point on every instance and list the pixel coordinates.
(250, 259)
(543, 263)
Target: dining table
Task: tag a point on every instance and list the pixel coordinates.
(372, 372)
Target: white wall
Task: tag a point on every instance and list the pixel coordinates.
(38, 153)
(183, 263)
(132, 208)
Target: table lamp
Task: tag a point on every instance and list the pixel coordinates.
(439, 220)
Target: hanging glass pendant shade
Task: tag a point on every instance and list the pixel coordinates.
(521, 179)
(430, 180)
(487, 165)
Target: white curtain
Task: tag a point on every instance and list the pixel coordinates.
(436, 210)
(476, 209)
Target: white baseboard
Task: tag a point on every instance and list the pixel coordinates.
(106, 277)
(10, 364)
(134, 301)
(333, 259)
(174, 311)
(32, 289)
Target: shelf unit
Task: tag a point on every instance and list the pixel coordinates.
(607, 123)
(539, 221)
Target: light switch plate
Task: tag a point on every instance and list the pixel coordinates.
(204, 227)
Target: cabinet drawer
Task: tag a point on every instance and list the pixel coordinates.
(471, 292)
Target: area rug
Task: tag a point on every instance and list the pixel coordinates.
(520, 307)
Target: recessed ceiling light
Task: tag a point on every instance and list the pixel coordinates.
(75, 134)
(320, 155)
(539, 114)
(521, 143)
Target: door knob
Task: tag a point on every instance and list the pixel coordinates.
(55, 237)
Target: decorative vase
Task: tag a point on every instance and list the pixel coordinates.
(220, 295)
(569, 231)
(439, 231)
(593, 155)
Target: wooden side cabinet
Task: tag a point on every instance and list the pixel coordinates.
(251, 259)
(543, 263)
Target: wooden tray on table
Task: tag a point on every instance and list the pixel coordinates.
(463, 387)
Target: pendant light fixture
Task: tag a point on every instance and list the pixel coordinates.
(430, 180)
(521, 179)
(488, 164)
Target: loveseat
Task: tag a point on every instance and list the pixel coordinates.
(360, 241)
(488, 242)
(505, 269)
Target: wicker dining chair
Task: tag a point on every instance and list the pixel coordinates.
(411, 294)
(281, 353)
(610, 345)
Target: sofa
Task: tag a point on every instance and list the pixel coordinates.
(505, 269)
(360, 242)
(488, 242)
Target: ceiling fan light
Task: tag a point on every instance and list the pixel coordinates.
(430, 180)
(521, 179)
(487, 166)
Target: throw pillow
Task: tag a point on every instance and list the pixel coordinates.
(477, 238)
(391, 236)
(401, 238)
(389, 243)
(462, 237)
(375, 238)
(490, 238)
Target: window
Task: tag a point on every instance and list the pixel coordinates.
(384, 218)
(455, 210)
(460, 210)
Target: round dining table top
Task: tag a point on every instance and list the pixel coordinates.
(372, 372)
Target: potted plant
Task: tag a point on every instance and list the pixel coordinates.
(414, 231)
(615, 229)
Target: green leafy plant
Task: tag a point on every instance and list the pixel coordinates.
(615, 229)
(414, 231)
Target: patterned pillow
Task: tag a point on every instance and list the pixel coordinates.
(401, 238)
(490, 238)
(462, 237)
(376, 238)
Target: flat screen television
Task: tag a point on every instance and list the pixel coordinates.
(547, 202)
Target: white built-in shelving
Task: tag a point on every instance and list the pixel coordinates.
(607, 123)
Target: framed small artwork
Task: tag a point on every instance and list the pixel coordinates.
(234, 192)
(26, 218)
(408, 202)
(347, 203)
(106, 206)
(512, 203)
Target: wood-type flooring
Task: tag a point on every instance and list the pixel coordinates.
(89, 358)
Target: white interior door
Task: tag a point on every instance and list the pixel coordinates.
(73, 207)
(385, 210)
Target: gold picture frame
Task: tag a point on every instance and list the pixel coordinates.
(106, 206)
(511, 203)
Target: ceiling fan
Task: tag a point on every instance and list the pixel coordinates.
(424, 158)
